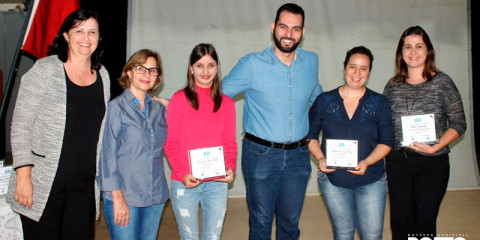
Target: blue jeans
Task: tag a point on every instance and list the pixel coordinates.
(276, 181)
(361, 207)
(143, 224)
(213, 198)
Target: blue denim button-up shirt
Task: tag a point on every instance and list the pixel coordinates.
(277, 96)
(131, 158)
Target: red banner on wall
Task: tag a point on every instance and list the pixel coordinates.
(45, 20)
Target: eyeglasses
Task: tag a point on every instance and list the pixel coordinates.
(142, 70)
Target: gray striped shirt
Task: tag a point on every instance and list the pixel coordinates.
(439, 96)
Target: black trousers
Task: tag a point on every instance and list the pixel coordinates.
(69, 213)
(417, 185)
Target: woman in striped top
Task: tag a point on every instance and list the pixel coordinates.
(418, 167)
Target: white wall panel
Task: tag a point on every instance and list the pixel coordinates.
(236, 28)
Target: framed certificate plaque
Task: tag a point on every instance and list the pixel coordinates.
(342, 153)
(207, 164)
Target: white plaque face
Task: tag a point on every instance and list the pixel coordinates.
(207, 163)
(4, 179)
(342, 153)
(418, 128)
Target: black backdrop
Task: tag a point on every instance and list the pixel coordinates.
(475, 80)
(113, 23)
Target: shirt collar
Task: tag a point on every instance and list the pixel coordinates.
(274, 56)
(130, 97)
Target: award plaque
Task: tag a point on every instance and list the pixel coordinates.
(342, 153)
(418, 128)
(4, 178)
(207, 164)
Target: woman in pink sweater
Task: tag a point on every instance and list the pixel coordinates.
(200, 117)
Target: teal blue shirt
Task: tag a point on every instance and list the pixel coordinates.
(277, 96)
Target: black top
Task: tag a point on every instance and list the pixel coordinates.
(85, 112)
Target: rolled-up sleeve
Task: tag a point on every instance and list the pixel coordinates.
(108, 166)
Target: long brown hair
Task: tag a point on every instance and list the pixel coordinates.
(198, 52)
(401, 69)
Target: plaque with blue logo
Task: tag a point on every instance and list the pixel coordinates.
(207, 164)
(419, 129)
(341, 153)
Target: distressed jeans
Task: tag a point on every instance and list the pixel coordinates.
(361, 208)
(212, 196)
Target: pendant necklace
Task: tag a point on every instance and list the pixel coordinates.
(409, 111)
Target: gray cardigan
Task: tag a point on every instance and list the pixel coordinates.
(38, 126)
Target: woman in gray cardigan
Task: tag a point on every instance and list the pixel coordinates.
(58, 117)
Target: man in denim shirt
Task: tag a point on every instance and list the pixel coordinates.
(279, 84)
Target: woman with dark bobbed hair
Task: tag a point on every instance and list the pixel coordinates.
(56, 134)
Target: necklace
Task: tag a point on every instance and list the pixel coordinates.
(78, 75)
(409, 111)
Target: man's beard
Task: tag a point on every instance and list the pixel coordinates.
(278, 44)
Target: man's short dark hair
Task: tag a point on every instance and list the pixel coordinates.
(292, 8)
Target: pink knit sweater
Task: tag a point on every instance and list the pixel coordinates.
(191, 129)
